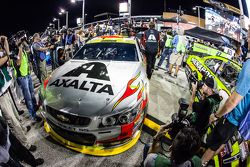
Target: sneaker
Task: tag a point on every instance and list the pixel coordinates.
(38, 161)
(175, 75)
(32, 148)
(20, 112)
(28, 128)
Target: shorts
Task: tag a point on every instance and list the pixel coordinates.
(176, 59)
(222, 132)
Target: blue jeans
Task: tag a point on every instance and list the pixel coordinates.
(28, 93)
(166, 53)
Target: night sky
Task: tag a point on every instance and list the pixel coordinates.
(35, 15)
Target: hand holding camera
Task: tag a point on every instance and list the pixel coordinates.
(194, 86)
(3, 39)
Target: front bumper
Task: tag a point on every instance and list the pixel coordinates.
(95, 149)
(89, 139)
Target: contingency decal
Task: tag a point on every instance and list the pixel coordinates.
(200, 67)
(129, 91)
(94, 70)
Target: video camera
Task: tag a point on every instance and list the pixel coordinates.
(17, 39)
(49, 35)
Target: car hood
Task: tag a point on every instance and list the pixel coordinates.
(91, 88)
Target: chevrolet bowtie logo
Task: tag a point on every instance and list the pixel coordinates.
(62, 118)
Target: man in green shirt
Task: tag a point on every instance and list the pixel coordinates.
(183, 150)
(22, 72)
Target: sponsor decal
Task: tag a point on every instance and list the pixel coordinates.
(95, 70)
(84, 85)
(129, 91)
(200, 67)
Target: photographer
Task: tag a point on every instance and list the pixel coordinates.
(232, 114)
(8, 108)
(205, 107)
(22, 72)
(40, 55)
(182, 151)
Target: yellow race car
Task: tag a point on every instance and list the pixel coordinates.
(204, 61)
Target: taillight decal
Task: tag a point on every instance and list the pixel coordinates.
(129, 91)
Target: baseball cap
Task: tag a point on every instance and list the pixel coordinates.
(211, 83)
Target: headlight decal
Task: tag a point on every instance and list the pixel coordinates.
(129, 91)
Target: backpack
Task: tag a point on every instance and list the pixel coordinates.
(244, 127)
(152, 38)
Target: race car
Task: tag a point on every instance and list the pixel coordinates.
(206, 61)
(96, 102)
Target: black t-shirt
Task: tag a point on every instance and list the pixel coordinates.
(203, 110)
(152, 38)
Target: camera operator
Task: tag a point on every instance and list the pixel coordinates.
(182, 151)
(8, 108)
(22, 71)
(40, 55)
(205, 107)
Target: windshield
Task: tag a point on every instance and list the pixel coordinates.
(108, 51)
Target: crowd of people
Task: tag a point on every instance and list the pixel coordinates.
(16, 83)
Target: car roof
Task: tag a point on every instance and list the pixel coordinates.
(112, 39)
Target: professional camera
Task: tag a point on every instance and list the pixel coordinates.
(17, 39)
(194, 79)
(49, 36)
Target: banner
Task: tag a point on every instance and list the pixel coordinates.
(222, 6)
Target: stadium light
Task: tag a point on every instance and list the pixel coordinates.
(58, 23)
(63, 11)
(199, 13)
(83, 10)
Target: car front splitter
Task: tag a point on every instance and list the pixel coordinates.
(92, 150)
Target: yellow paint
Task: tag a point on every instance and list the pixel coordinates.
(236, 150)
(248, 161)
(91, 150)
(154, 126)
(216, 161)
(115, 40)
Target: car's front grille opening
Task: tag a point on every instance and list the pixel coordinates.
(68, 118)
(78, 138)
